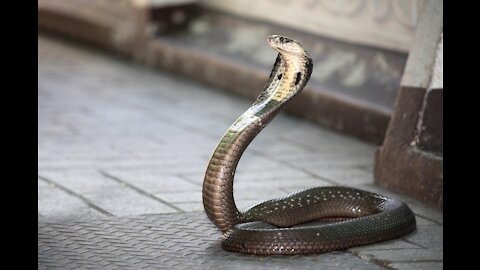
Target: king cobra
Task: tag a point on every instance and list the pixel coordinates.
(315, 220)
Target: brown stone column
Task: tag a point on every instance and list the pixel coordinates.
(410, 161)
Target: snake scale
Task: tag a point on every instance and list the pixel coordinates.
(315, 220)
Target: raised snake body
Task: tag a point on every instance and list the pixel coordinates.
(311, 221)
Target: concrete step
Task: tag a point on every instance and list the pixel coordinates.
(352, 89)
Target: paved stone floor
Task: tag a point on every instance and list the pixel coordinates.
(121, 154)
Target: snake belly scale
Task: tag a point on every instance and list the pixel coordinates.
(315, 220)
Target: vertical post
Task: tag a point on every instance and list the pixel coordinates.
(410, 161)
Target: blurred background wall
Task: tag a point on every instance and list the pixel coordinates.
(385, 24)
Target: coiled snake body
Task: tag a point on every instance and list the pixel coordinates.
(311, 221)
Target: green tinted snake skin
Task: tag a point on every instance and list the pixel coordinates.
(311, 221)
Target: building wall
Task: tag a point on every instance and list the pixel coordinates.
(385, 24)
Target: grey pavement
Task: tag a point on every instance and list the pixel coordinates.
(121, 154)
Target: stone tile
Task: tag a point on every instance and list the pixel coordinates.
(387, 245)
(343, 176)
(326, 141)
(285, 173)
(195, 176)
(275, 145)
(380, 190)
(424, 222)
(76, 153)
(176, 164)
(430, 237)
(300, 184)
(43, 184)
(56, 205)
(243, 205)
(429, 213)
(174, 241)
(66, 165)
(181, 156)
(402, 255)
(126, 202)
(326, 160)
(134, 144)
(154, 183)
(86, 181)
(253, 161)
(215, 126)
(258, 194)
(190, 207)
(417, 265)
(367, 168)
(286, 185)
(181, 197)
(158, 165)
(54, 130)
(249, 168)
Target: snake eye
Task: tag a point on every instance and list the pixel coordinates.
(285, 40)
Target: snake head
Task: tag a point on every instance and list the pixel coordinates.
(285, 45)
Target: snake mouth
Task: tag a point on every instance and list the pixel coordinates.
(276, 41)
(272, 41)
(271, 38)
